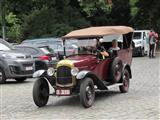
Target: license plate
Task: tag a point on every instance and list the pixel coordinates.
(29, 68)
(63, 92)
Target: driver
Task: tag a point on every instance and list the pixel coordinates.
(102, 50)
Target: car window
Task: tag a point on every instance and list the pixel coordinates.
(46, 50)
(29, 50)
(4, 47)
(137, 35)
(20, 49)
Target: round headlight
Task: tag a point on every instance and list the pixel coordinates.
(74, 71)
(50, 71)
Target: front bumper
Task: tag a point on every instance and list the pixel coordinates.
(19, 68)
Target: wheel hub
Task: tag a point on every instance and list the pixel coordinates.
(89, 92)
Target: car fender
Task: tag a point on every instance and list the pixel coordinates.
(82, 74)
(38, 73)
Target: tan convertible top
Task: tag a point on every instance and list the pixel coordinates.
(98, 31)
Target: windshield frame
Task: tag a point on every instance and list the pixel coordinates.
(78, 39)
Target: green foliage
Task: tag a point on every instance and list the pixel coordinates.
(52, 22)
(121, 12)
(134, 8)
(92, 7)
(13, 28)
(148, 15)
(97, 11)
(51, 18)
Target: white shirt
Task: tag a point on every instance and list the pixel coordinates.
(114, 48)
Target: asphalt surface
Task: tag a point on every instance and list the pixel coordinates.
(141, 102)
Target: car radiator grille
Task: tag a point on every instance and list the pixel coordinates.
(64, 76)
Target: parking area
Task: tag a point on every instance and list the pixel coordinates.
(141, 102)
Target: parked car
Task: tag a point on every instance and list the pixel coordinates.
(83, 73)
(140, 39)
(14, 64)
(44, 56)
(55, 44)
(39, 40)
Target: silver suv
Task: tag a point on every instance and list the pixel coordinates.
(14, 64)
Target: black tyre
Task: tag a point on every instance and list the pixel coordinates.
(87, 92)
(142, 52)
(125, 87)
(2, 76)
(21, 79)
(116, 70)
(41, 92)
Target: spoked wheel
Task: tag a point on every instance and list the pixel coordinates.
(41, 92)
(116, 70)
(125, 87)
(87, 92)
(2, 76)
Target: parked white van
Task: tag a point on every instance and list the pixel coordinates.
(140, 39)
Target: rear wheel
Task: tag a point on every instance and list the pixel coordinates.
(116, 70)
(40, 92)
(21, 79)
(125, 87)
(2, 76)
(87, 92)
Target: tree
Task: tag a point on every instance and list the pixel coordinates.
(97, 12)
(148, 15)
(121, 12)
(55, 20)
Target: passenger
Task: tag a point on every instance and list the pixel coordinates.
(114, 48)
(114, 45)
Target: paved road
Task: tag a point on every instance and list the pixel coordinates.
(141, 102)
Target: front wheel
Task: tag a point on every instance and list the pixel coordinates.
(87, 92)
(40, 92)
(2, 76)
(125, 87)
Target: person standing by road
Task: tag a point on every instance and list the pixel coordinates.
(152, 42)
(156, 42)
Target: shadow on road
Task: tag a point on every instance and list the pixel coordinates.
(15, 82)
(75, 101)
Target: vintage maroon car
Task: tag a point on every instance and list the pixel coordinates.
(85, 72)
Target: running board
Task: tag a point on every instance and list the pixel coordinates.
(114, 85)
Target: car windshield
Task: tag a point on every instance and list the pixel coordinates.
(137, 35)
(4, 47)
(80, 46)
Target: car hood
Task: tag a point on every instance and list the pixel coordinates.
(80, 61)
(16, 54)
